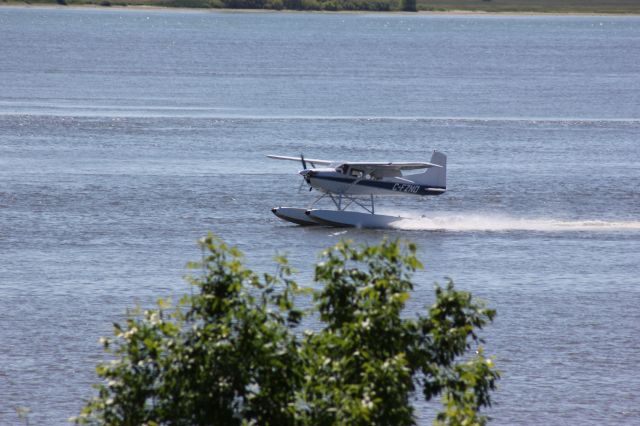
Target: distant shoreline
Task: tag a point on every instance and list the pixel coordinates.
(165, 7)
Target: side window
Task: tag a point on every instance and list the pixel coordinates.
(357, 173)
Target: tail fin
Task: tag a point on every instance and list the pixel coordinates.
(435, 176)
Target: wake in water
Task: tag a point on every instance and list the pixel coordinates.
(479, 222)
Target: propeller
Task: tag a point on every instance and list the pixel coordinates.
(304, 167)
(304, 177)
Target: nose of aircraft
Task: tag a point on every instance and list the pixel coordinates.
(306, 174)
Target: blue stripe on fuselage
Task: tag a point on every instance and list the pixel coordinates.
(389, 186)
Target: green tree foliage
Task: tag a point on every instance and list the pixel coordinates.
(328, 5)
(230, 353)
(244, 4)
(409, 5)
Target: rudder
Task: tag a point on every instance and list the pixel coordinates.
(435, 176)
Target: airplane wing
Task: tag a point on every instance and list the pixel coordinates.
(308, 160)
(364, 165)
(391, 165)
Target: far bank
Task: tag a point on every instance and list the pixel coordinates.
(440, 6)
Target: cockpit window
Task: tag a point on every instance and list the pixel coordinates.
(356, 173)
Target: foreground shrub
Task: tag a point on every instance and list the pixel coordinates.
(229, 354)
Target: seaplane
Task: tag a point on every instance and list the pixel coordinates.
(356, 184)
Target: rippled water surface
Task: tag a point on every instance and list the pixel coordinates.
(126, 135)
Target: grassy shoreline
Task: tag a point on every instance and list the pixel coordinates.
(481, 7)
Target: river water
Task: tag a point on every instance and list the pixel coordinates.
(126, 135)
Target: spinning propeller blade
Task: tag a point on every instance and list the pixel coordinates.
(304, 167)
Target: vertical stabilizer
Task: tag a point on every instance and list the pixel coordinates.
(435, 177)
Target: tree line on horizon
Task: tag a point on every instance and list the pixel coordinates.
(490, 6)
(302, 5)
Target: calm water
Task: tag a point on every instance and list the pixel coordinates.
(126, 135)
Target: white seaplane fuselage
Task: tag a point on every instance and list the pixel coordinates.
(329, 180)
